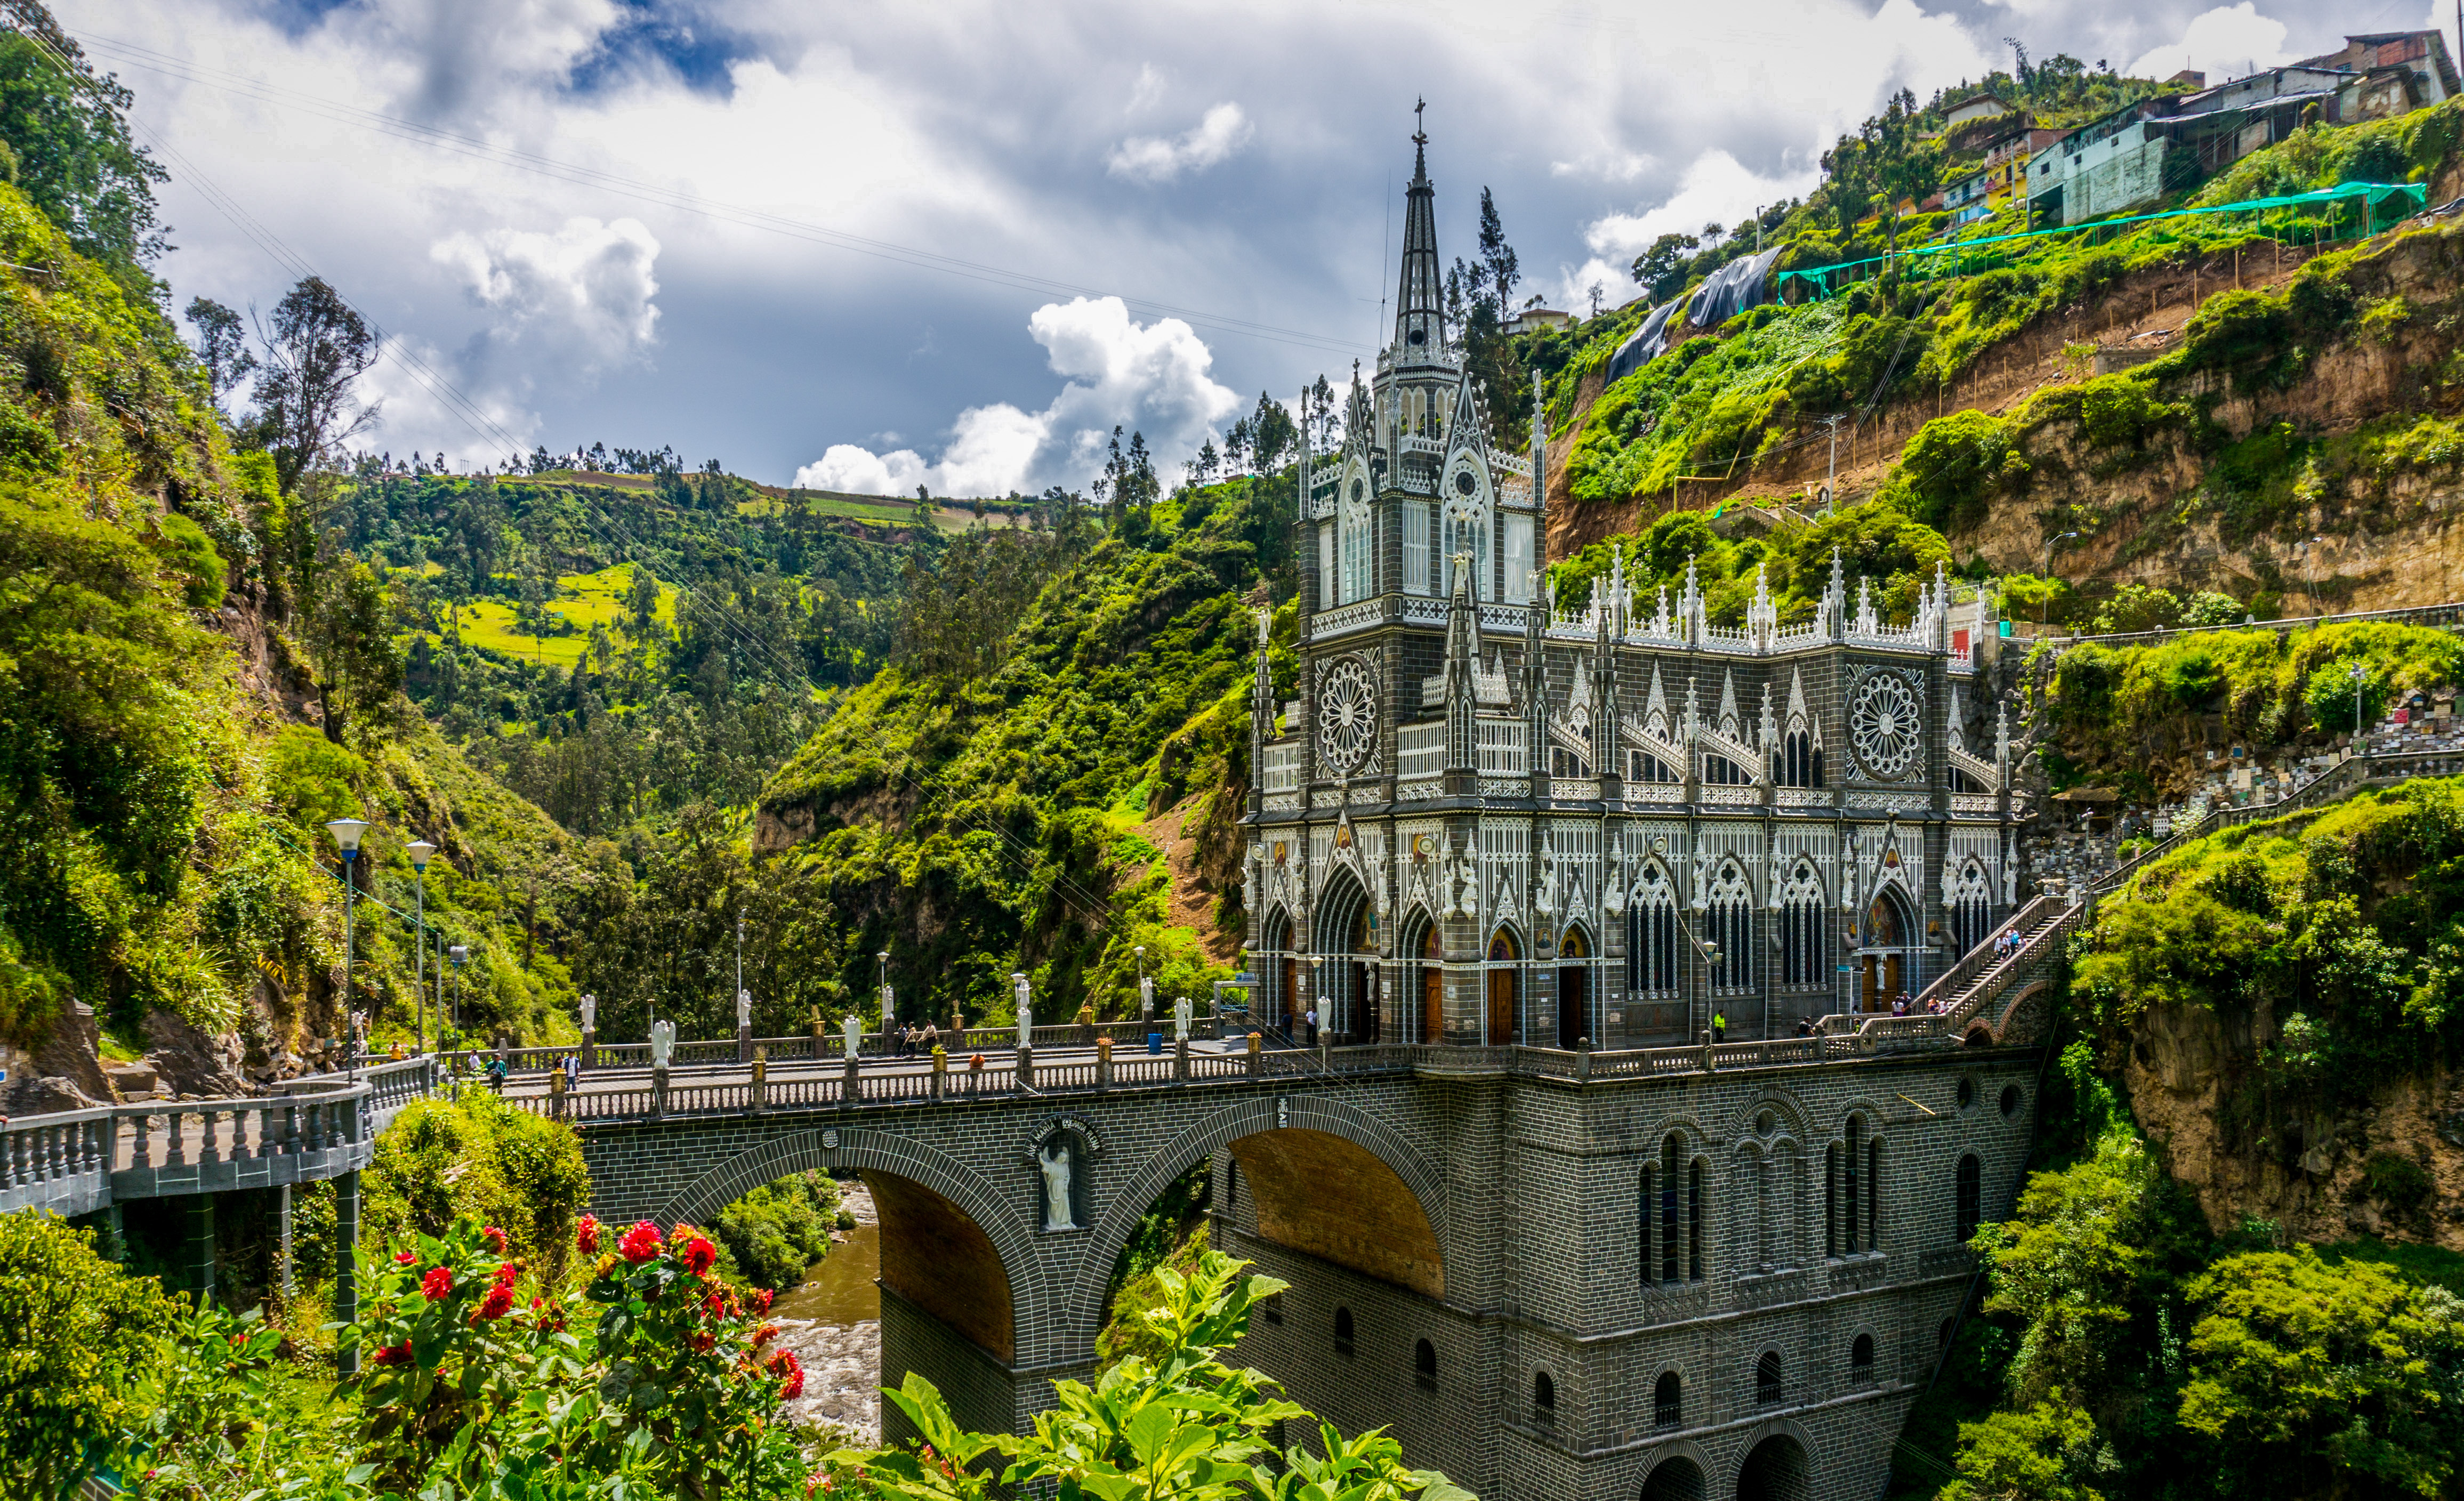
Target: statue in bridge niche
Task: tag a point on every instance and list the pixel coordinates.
(663, 1043)
(1052, 1160)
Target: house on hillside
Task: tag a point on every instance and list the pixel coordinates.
(1532, 319)
(2144, 149)
(2003, 169)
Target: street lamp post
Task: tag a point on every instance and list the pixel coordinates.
(881, 980)
(420, 850)
(2310, 578)
(458, 953)
(1830, 474)
(2360, 676)
(2045, 607)
(347, 832)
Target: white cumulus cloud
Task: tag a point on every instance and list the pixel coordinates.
(2224, 43)
(1116, 371)
(1154, 159)
(1716, 189)
(584, 290)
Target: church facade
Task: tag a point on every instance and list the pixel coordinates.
(1487, 821)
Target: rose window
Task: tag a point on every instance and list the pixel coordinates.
(1885, 725)
(1347, 715)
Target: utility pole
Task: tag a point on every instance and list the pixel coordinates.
(1831, 475)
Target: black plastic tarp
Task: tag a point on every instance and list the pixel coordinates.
(1646, 344)
(1731, 289)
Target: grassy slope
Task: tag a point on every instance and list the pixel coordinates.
(993, 825)
(1722, 403)
(163, 842)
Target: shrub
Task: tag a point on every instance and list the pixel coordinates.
(778, 1229)
(483, 1159)
(74, 1332)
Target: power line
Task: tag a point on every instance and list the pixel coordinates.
(1095, 910)
(687, 203)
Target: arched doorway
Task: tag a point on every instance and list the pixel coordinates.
(1433, 986)
(1282, 1005)
(1573, 988)
(1676, 1478)
(1776, 1470)
(1883, 955)
(1361, 994)
(1504, 977)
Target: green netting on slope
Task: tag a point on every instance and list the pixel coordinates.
(1962, 256)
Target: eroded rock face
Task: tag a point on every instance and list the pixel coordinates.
(63, 1071)
(2188, 1064)
(191, 1061)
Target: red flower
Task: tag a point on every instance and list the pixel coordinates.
(788, 1369)
(507, 1272)
(588, 1237)
(494, 1237)
(700, 1253)
(394, 1354)
(403, 1258)
(499, 1302)
(761, 1300)
(436, 1284)
(764, 1335)
(641, 1242)
(713, 1303)
(700, 1344)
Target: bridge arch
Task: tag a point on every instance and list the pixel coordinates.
(1677, 1473)
(1333, 1126)
(1777, 1464)
(972, 1233)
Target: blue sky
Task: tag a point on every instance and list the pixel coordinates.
(954, 244)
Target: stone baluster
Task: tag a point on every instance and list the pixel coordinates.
(1180, 1058)
(555, 1092)
(940, 1073)
(179, 1146)
(1257, 1057)
(757, 1096)
(1025, 1073)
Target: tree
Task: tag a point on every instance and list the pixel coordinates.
(1499, 265)
(1182, 1425)
(75, 1334)
(2325, 1379)
(1326, 416)
(351, 630)
(222, 347)
(1662, 268)
(315, 349)
(70, 149)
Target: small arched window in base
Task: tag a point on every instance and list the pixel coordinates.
(1424, 1366)
(1343, 1331)
(1544, 1397)
(1668, 1401)
(1770, 1391)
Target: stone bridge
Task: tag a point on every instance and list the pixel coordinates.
(1727, 1268)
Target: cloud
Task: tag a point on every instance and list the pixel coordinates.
(1153, 377)
(582, 292)
(1152, 159)
(2224, 43)
(1716, 189)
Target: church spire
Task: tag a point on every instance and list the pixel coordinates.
(1419, 315)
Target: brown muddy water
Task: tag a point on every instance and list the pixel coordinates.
(832, 1320)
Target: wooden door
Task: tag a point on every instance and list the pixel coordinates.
(1574, 1006)
(1501, 1007)
(1891, 981)
(1433, 1004)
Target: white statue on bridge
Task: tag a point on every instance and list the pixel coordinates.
(590, 1012)
(854, 1034)
(1054, 1161)
(743, 1010)
(1180, 1018)
(1025, 1009)
(663, 1042)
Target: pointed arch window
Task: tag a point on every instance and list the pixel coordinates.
(1651, 939)
(1729, 924)
(1466, 531)
(1972, 907)
(1804, 929)
(1800, 758)
(1720, 771)
(1644, 767)
(1416, 548)
(1358, 582)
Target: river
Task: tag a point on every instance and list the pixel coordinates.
(832, 1320)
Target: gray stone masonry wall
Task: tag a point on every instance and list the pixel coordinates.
(1530, 1189)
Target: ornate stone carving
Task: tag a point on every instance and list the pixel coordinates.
(1347, 715)
(1885, 725)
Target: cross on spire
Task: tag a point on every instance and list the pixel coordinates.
(1420, 130)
